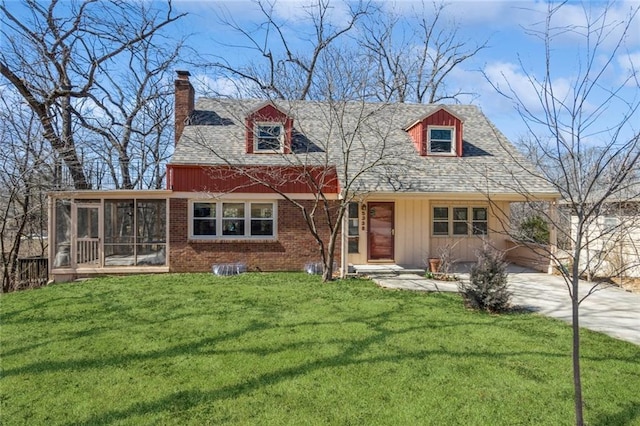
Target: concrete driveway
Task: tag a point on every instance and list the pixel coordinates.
(609, 310)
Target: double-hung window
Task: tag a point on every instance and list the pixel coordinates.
(268, 137)
(204, 219)
(441, 221)
(232, 220)
(441, 140)
(459, 221)
(460, 217)
(262, 219)
(479, 223)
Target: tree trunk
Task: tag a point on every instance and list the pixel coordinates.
(66, 145)
(327, 267)
(577, 381)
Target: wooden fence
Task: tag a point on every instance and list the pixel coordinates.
(33, 272)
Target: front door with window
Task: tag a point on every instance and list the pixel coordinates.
(381, 231)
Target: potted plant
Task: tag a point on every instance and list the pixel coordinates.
(434, 264)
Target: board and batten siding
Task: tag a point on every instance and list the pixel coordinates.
(414, 243)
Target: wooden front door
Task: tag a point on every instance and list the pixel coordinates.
(381, 231)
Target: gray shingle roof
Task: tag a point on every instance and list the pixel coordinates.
(368, 145)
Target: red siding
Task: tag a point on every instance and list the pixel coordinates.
(293, 248)
(269, 113)
(417, 136)
(294, 180)
(441, 117)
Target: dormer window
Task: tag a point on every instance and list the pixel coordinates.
(268, 137)
(441, 140)
(437, 134)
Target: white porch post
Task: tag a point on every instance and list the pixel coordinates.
(344, 244)
(553, 235)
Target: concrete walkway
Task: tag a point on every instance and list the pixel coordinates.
(609, 310)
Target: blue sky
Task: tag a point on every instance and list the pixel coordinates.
(511, 50)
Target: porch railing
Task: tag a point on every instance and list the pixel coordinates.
(88, 252)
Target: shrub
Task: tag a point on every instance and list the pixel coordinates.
(487, 286)
(535, 229)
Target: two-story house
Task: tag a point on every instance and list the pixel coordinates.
(417, 178)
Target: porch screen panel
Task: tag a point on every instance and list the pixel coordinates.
(62, 234)
(151, 232)
(119, 235)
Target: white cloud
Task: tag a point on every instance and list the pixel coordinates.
(220, 87)
(593, 17)
(509, 79)
(493, 15)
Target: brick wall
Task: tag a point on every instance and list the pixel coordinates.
(184, 102)
(293, 248)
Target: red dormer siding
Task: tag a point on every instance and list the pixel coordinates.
(441, 117)
(417, 133)
(268, 113)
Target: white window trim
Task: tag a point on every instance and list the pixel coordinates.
(453, 140)
(192, 219)
(256, 125)
(219, 221)
(451, 220)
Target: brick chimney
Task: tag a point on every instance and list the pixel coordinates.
(185, 99)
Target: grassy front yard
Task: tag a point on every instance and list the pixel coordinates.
(286, 349)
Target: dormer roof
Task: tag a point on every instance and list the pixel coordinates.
(429, 114)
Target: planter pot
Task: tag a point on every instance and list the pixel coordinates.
(434, 265)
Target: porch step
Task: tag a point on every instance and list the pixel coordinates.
(386, 270)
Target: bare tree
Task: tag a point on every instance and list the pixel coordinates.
(583, 137)
(287, 66)
(128, 110)
(25, 170)
(55, 55)
(414, 55)
(401, 68)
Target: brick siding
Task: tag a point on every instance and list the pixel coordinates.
(294, 246)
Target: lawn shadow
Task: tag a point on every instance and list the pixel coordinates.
(88, 363)
(626, 416)
(360, 351)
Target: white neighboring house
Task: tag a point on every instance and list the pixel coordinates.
(612, 244)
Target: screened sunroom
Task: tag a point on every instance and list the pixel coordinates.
(102, 232)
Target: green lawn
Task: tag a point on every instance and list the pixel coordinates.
(286, 349)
